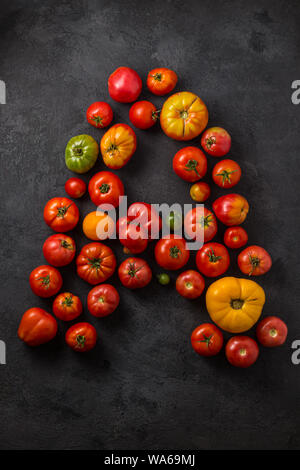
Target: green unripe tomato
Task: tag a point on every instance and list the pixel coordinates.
(81, 153)
(163, 279)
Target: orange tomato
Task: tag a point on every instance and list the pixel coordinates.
(118, 145)
(105, 228)
(200, 192)
(183, 116)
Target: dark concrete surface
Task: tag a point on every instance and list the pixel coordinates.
(143, 387)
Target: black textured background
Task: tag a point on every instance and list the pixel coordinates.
(143, 386)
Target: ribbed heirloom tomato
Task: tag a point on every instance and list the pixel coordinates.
(45, 281)
(103, 300)
(190, 284)
(106, 188)
(75, 187)
(235, 237)
(81, 153)
(161, 81)
(134, 273)
(190, 164)
(61, 214)
(226, 173)
(81, 337)
(67, 306)
(216, 141)
(254, 261)
(183, 116)
(200, 219)
(99, 114)
(171, 252)
(37, 327)
(118, 145)
(124, 85)
(231, 209)
(96, 263)
(131, 235)
(207, 340)
(59, 250)
(212, 259)
(143, 114)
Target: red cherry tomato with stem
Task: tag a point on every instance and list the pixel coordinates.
(143, 114)
(216, 141)
(171, 252)
(61, 214)
(254, 261)
(106, 188)
(134, 273)
(197, 219)
(190, 164)
(161, 81)
(59, 250)
(67, 306)
(213, 259)
(45, 281)
(81, 337)
(226, 173)
(99, 114)
(207, 340)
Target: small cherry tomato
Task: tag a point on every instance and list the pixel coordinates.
(226, 173)
(216, 141)
(254, 261)
(124, 85)
(45, 281)
(106, 188)
(131, 235)
(190, 164)
(75, 187)
(37, 327)
(197, 219)
(212, 259)
(161, 81)
(134, 273)
(241, 351)
(163, 279)
(81, 337)
(200, 192)
(207, 340)
(67, 306)
(171, 252)
(190, 284)
(271, 332)
(59, 250)
(235, 237)
(103, 300)
(61, 214)
(99, 114)
(143, 114)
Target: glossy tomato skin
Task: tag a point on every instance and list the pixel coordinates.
(103, 300)
(226, 173)
(106, 188)
(37, 327)
(190, 164)
(271, 332)
(132, 236)
(231, 209)
(143, 114)
(67, 306)
(99, 114)
(75, 187)
(117, 146)
(200, 192)
(242, 351)
(161, 81)
(81, 337)
(147, 216)
(81, 153)
(59, 250)
(96, 263)
(61, 214)
(94, 232)
(213, 259)
(190, 284)
(235, 237)
(207, 340)
(171, 252)
(197, 219)
(216, 141)
(134, 273)
(124, 85)
(45, 281)
(254, 261)
(183, 116)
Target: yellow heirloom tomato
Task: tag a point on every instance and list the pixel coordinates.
(235, 304)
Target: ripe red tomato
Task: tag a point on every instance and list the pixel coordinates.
(45, 281)
(226, 173)
(124, 85)
(131, 235)
(213, 259)
(216, 141)
(231, 209)
(95, 263)
(134, 273)
(254, 261)
(147, 216)
(67, 306)
(59, 250)
(190, 284)
(161, 81)
(207, 340)
(196, 220)
(61, 214)
(271, 332)
(99, 114)
(103, 300)
(241, 351)
(143, 114)
(190, 164)
(171, 252)
(200, 192)
(37, 327)
(81, 337)
(235, 237)
(75, 187)
(106, 188)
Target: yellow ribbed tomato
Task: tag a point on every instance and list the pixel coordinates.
(235, 304)
(183, 116)
(118, 145)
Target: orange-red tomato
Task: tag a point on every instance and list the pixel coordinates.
(183, 116)
(99, 114)
(61, 214)
(200, 192)
(59, 250)
(81, 337)
(147, 216)
(37, 327)
(134, 273)
(95, 263)
(190, 164)
(226, 173)
(75, 187)
(231, 209)
(171, 252)
(143, 114)
(118, 145)
(196, 220)
(103, 300)
(67, 306)
(207, 339)
(45, 281)
(213, 259)
(242, 351)
(132, 236)
(235, 237)
(216, 141)
(161, 81)
(190, 284)
(106, 188)
(254, 261)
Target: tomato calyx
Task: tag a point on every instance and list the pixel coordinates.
(66, 245)
(77, 151)
(205, 221)
(255, 262)
(112, 148)
(98, 120)
(226, 176)
(189, 285)
(212, 257)
(236, 304)
(101, 300)
(133, 270)
(192, 166)
(242, 352)
(45, 280)
(155, 114)
(95, 263)
(68, 301)
(80, 339)
(184, 114)
(206, 339)
(210, 141)
(61, 211)
(157, 77)
(174, 251)
(273, 332)
(104, 188)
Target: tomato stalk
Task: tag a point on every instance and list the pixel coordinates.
(95, 262)
(98, 120)
(255, 261)
(104, 188)
(210, 141)
(80, 339)
(68, 301)
(174, 251)
(61, 211)
(236, 304)
(212, 257)
(226, 176)
(45, 280)
(192, 166)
